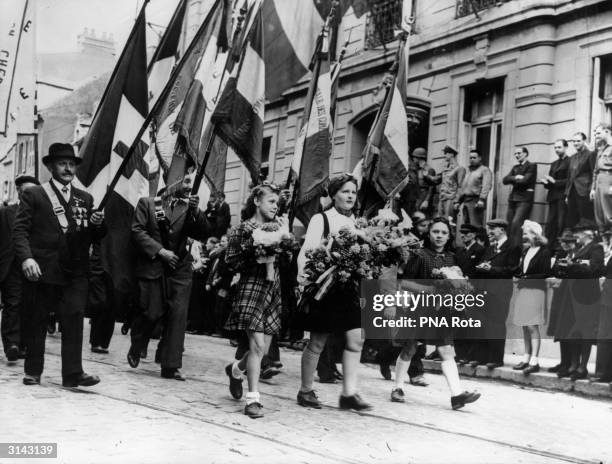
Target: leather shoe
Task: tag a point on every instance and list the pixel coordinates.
(99, 349)
(531, 368)
(492, 366)
(554, 369)
(602, 379)
(397, 396)
(457, 402)
(235, 386)
(579, 374)
(254, 410)
(308, 399)
(133, 359)
(563, 372)
(331, 379)
(31, 379)
(277, 364)
(12, 353)
(354, 402)
(418, 381)
(172, 373)
(269, 372)
(474, 363)
(520, 366)
(385, 371)
(81, 380)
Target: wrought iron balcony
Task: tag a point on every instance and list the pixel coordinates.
(382, 22)
(468, 7)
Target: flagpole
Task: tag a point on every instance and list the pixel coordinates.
(156, 107)
(181, 5)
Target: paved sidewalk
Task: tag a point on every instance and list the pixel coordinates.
(135, 416)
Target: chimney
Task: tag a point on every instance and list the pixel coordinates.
(90, 44)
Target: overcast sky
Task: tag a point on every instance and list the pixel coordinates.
(60, 21)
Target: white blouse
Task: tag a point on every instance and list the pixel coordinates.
(314, 234)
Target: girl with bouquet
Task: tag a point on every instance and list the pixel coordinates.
(256, 304)
(338, 310)
(425, 263)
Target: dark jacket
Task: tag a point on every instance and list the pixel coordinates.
(559, 170)
(503, 263)
(522, 189)
(581, 172)
(37, 234)
(219, 217)
(468, 258)
(147, 236)
(537, 270)
(7, 249)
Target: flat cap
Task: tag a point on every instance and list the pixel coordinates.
(498, 223)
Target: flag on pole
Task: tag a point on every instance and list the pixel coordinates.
(167, 53)
(239, 114)
(118, 119)
(313, 148)
(387, 147)
(179, 118)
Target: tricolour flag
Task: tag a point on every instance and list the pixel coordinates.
(239, 114)
(167, 53)
(386, 157)
(118, 119)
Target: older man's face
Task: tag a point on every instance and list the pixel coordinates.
(63, 170)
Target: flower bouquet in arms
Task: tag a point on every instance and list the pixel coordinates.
(450, 279)
(269, 241)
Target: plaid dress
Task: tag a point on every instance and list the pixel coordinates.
(256, 304)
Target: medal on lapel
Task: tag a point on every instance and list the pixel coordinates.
(79, 214)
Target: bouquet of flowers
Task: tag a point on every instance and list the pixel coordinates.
(450, 279)
(270, 240)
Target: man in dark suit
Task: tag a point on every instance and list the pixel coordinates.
(10, 276)
(555, 182)
(522, 177)
(164, 272)
(578, 188)
(494, 275)
(218, 214)
(53, 231)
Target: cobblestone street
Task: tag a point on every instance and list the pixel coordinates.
(134, 415)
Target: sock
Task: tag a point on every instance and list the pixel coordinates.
(236, 372)
(526, 357)
(533, 361)
(449, 369)
(252, 397)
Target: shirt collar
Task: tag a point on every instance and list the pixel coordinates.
(501, 241)
(60, 186)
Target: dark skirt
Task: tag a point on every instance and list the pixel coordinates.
(338, 311)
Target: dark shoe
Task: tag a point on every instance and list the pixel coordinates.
(81, 380)
(433, 356)
(385, 371)
(22, 354)
(133, 359)
(457, 402)
(233, 342)
(269, 372)
(397, 395)
(331, 379)
(579, 374)
(338, 375)
(354, 402)
(143, 353)
(99, 349)
(254, 410)
(308, 399)
(602, 379)
(554, 369)
(31, 379)
(12, 353)
(172, 373)
(235, 386)
(474, 364)
(531, 369)
(563, 372)
(520, 366)
(277, 364)
(418, 381)
(492, 366)
(125, 328)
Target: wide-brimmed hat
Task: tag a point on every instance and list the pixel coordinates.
(61, 151)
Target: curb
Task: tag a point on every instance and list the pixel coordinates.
(543, 380)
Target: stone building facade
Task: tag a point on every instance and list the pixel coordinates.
(488, 74)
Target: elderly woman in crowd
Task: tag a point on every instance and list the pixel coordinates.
(529, 299)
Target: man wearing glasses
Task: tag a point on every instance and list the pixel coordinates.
(580, 177)
(522, 177)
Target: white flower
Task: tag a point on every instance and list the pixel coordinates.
(265, 238)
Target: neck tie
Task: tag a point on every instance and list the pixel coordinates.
(65, 190)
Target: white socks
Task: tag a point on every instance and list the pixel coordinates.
(236, 372)
(451, 373)
(252, 397)
(534, 361)
(526, 357)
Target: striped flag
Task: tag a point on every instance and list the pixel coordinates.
(291, 31)
(239, 114)
(118, 119)
(387, 148)
(310, 165)
(167, 53)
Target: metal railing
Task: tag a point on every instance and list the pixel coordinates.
(468, 7)
(382, 22)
